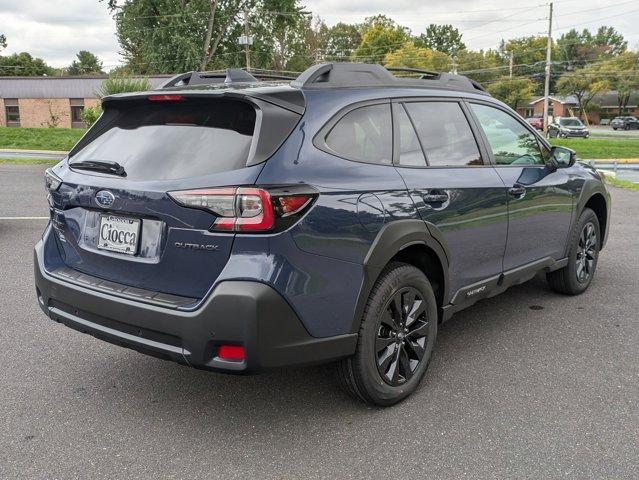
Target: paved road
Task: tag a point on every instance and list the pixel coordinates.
(599, 131)
(529, 384)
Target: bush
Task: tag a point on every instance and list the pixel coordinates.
(91, 114)
(117, 84)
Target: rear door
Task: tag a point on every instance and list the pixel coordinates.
(124, 226)
(539, 200)
(458, 194)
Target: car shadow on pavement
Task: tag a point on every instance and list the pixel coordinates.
(156, 388)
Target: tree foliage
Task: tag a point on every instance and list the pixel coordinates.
(3, 41)
(622, 75)
(86, 63)
(513, 92)
(23, 64)
(412, 56)
(441, 38)
(380, 36)
(584, 84)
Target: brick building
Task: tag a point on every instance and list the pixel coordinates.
(559, 106)
(50, 101)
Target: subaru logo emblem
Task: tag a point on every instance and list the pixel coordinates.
(104, 198)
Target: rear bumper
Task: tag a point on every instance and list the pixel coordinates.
(246, 313)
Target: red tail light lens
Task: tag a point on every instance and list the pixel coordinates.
(246, 209)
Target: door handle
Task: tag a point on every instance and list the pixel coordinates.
(435, 196)
(517, 190)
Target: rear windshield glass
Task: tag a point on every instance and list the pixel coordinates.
(157, 141)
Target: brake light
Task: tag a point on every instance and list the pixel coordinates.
(247, 209)
(165, 98)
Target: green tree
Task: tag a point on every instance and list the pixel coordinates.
(167, 36)
(341, 40)
(441, 38)
(622, 75)
(577, 49)
(514, 92)
(285, 32)
(3, 41)
(482, 66)
(412, 56)
(529, 58)
(23, 64)
(86, 63)
(380, 36)
(584, 84)
(609, 42)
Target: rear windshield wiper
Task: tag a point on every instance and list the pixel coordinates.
(114, 168)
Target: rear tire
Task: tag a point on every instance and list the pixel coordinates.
(396, 338)
(585, 241)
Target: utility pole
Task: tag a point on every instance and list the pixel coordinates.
(548, 62)
(247, 45)
(510, 65)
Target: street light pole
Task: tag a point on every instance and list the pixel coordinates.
(247, 51)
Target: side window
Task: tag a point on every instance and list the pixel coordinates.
(364, 134)
(444, 133)
(511, 142)
(410, 151)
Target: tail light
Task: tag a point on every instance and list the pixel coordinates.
(249, 209)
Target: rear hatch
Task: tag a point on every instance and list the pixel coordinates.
(113, 216)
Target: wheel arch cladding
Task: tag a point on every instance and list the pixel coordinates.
(597, 203)
(409, 241)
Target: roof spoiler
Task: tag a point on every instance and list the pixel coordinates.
(230, 76)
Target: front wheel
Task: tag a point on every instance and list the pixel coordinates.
(585, 242)
(396, 338)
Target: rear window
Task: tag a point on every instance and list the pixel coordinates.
(159, 141)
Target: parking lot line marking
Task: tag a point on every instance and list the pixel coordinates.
(24, 218)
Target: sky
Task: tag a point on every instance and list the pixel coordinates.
(56, 30)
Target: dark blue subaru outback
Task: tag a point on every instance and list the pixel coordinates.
(234, 225)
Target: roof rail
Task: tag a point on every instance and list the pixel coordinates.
(335, 75)
(229, 76)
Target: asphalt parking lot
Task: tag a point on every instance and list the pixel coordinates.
(529, 384)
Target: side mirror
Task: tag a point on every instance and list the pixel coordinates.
(563, 157)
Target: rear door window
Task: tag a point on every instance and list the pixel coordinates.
(444, 133)
(364, 135)
(158, 141)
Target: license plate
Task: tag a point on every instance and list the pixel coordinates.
(119, 234)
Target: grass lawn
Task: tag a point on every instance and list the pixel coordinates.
(622, 183)
(27, 161)
(593, 148)
(61, 139)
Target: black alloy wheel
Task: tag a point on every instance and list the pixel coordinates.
(401, 336)
(586, 253)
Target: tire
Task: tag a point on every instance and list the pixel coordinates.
(382, 371)
(585, 241)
